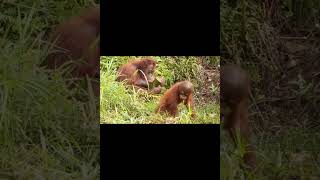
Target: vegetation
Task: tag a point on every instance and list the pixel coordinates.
(45, 134)
(278, 43)
(122, 105)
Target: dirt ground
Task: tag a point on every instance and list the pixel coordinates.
(211, 75)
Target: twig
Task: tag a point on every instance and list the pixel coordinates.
(297, 38)
(256, 105)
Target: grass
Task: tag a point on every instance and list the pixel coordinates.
(289, 154)
(45, 133)
(121, 105)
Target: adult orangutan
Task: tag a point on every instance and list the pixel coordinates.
(140, 74)
(76, 41)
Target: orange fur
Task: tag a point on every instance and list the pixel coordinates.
(179, 92)
(77, 41)
(139, 73)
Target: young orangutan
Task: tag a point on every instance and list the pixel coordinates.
(235, 88)
(179, 92)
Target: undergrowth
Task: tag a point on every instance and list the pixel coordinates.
(46, 133)
(281, 57)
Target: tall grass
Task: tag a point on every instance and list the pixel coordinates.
(45, 133)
